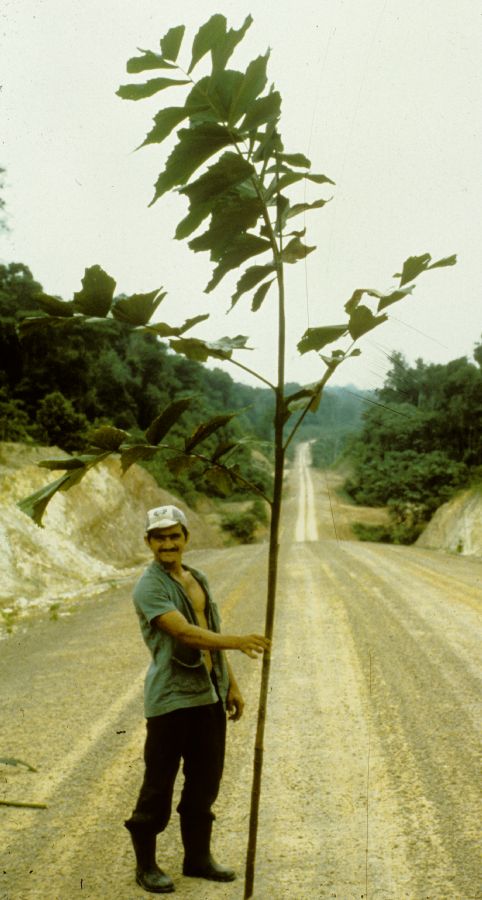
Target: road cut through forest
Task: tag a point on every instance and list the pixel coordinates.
(371, 780)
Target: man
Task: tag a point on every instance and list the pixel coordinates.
(189, 685)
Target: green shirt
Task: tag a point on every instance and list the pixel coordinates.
(177, 676)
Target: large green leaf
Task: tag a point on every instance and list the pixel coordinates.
(195, 146)
(147, 61)
(415, 265)
(193, 348)
(298, 208)
(269, 143)
(363, 320)
(296, 401)
(177, 465)
(148, 89)
(162, 329)
(54, 306)
(260, 294)
(206, 429)
(200, 351)
(230, 170)
(223, 448)
(442, 263)
(201, 103)
(208, 35)
(283, 181)
(222, 50)
(95, 298)
(295, 250)
(295, 159)
(134, 454)
(107, 437)
(220, 479)
(192, 221)
(137, 309)
(316, 338)
(264, 110)
(252, 84)
(387, 299)
(164, 122)
(35, 504)
(164, 422)
(319, 179)
(384, 299)
(221, 89)
(250, 279)
(243, 247)
(232, 216)
(31, 324)
(171, 42)
(65, 463)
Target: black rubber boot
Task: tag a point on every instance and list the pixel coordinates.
(148, 874)
(198, 862)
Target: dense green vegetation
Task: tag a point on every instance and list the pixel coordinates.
(421, 444)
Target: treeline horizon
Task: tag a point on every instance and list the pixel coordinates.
(419, 445)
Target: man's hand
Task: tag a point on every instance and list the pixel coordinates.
(234, 703)
(253, 644)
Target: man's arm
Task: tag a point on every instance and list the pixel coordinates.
(175, 624)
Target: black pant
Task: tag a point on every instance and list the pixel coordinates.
(197, 736)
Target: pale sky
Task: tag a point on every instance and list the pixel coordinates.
(382, 95)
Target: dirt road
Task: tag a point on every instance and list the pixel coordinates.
(371, 770)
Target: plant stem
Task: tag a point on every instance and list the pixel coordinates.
(272, 583)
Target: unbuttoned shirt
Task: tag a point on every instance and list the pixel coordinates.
(177, 676)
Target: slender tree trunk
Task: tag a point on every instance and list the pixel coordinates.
(271, 598)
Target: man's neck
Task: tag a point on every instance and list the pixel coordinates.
(175, 569)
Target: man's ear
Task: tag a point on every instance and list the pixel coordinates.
(146, 540)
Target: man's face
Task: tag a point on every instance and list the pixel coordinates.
(167, 545)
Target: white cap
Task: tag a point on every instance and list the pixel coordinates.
(165, 517)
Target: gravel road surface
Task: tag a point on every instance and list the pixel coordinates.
(371, 783)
